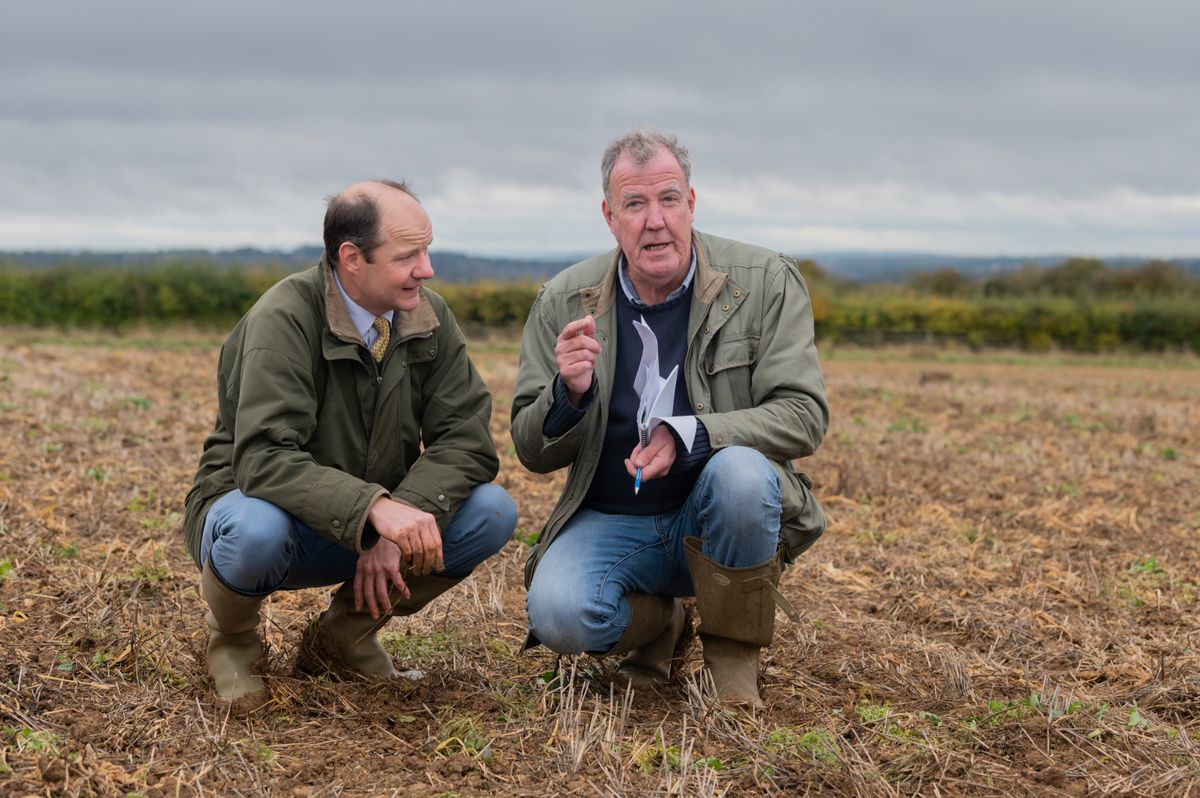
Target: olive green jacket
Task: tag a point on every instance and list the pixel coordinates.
(306, 421)
(751, 370)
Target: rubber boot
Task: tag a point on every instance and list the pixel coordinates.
(422, 589)
(234, 646)
(343, 638)
(657, 637)
(737, 618)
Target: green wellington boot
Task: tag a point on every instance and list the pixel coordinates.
(234, 646)
(343, 638)
(737, 618)
(657, 638)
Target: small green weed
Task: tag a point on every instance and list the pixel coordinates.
(999, 711)
(526, 537)
(464, 734)
(154, 574)
(657, 755)
(1135, 718)
(871, 713)
(912, 425)
(43, 742)
(265, 754)
(815, 745)
(139, 403)
(1127, 596)
(6, 568)
(418, 651)
(142, 501)
(1146, 565)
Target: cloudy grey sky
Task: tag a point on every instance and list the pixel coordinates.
(1014, 127)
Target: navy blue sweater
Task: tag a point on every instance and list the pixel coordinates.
(611, 490)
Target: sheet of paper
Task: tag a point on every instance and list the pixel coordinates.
(656, 396)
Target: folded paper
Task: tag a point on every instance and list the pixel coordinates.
(656, 395)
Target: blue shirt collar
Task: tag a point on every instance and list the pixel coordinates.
(363, 319)
(631, 292)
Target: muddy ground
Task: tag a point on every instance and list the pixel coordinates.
(1007, 602)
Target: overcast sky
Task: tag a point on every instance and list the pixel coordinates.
(1014, 127)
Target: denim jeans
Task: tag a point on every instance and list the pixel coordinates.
(576, 601)
(256, 548)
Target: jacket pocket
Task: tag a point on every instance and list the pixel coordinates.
(728, 369)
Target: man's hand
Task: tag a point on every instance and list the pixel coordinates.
(575, 355)
(378, 566)
(658, 456)
(414, 531)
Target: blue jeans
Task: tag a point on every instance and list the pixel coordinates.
(576, 601)
(256, 548)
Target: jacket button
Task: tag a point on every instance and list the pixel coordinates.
(707, 330)
(441, 497)
(699, 405)
(725, 307)
(737, 294)
(432, 352)
(403, 364)
(337, 524)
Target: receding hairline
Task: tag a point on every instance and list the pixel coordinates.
(374, 190)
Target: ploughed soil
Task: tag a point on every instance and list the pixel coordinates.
(1007, 602)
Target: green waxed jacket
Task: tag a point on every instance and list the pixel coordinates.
(306, 422)
(751, 370)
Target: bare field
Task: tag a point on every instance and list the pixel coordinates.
(1007, 602)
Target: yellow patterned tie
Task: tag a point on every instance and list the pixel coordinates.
(379, 348)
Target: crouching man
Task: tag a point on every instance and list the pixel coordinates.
(718, 509)
(351, 446)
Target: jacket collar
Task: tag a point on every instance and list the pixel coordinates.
(598, 298)
(405, 324)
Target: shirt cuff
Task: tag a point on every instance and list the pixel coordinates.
(563, 415)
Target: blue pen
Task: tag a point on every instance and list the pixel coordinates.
(643, 441)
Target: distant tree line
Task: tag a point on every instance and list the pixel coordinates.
(1080, 304)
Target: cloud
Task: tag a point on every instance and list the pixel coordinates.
(229, 122)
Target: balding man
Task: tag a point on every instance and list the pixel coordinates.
(351, 445)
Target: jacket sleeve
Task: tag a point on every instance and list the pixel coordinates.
(458, 451)
(276, 416)
(789, 414)
(534, 395)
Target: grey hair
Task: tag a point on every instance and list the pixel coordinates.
(642, 144)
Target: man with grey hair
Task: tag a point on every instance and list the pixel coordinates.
(351, 445)
(706, 503)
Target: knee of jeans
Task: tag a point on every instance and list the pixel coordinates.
(499, 514)
(742, 475)
(253, 557)
(564, 622)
